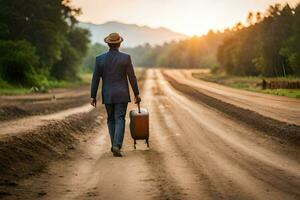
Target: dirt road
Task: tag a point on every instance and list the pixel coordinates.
(280, 108)
(196, 152)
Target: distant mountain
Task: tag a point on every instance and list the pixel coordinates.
(133, 34)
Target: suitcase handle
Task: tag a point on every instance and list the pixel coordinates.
(139, 107)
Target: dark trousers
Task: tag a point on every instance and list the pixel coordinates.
(116, 122)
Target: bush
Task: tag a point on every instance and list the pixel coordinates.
(215, 69)
(66, 69)
(18, 62)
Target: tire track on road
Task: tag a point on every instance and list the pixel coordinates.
(174, 177)
(245, 174)
(282, 130)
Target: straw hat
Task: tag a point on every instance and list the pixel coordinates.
(113, 38)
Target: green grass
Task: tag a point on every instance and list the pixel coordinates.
(293, 93)
(8, 89)
(250, 83)
(14, 90)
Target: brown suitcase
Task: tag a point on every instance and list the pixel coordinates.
(139, 125)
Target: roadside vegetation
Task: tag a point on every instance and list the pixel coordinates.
(250, 83)
(42, 48)
(12, 89)
(267, 45)
(89, 60)
(194, 52)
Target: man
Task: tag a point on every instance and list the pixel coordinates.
(114, 67)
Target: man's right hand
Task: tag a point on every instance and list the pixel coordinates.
(94, 102)
(137, 99)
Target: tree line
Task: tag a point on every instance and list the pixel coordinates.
(39, 40)
(268, 45)
(194, 52)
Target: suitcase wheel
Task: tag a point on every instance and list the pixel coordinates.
(146, 142)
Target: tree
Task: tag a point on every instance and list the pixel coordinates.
(291, 47)
(75, 47)
(268, 47)
(89, 60)
(195, 52)
(18, 62)
(48, 26)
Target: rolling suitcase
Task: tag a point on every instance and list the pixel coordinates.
(139, 125)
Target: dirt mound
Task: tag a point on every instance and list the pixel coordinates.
(10, 112)
(267, 125)
(27, 154)
(39, 107)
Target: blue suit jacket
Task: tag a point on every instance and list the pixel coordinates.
(114, 67)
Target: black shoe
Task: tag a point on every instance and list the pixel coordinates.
(116, 152)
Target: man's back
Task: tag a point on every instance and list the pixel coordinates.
(114, 67)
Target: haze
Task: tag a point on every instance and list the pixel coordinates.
(191, 17)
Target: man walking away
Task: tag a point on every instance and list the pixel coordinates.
(114, 67)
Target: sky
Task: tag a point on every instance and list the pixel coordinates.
(191, 17)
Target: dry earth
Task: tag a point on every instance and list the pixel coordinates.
(198, 150)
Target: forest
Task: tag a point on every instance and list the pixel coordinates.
(267, 44)
(194, 52)
(40, 42)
